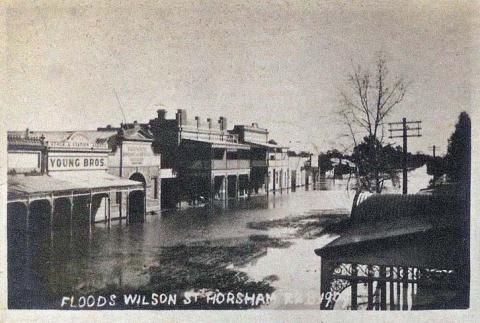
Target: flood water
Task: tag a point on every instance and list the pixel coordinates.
(44, 268)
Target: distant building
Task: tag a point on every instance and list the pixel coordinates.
(127, 171)
(300, 169)
(268, 160)
(210, 163)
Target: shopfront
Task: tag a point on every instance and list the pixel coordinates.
(63, 182)
(132, 157)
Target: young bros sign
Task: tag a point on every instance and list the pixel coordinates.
(77, 162)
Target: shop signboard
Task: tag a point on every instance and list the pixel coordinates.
(78, 161)
(139, 154)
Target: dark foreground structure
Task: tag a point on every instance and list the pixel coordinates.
(401, 252)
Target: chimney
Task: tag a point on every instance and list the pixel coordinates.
(197, 120)
(161, 114)
(223, 123)
(209, 121)
(181, 117)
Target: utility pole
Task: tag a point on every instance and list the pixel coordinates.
(433, 149)
(405, 157)
(407, 131)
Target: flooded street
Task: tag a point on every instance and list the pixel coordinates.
(298, 283)
(226, 239)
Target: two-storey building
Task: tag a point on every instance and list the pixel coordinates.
(209, 162)
(268, 160)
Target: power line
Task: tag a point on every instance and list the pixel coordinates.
(120, 106)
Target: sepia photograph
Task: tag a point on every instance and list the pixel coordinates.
(214, 155)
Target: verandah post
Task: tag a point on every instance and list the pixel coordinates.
(354, 287)
(52, 210)
(71, 214)
(90, 214)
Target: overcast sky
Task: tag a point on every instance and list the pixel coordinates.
(278, 63)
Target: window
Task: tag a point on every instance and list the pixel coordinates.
(232, 155)
(218, 153)
(118, 198)
(155, 187)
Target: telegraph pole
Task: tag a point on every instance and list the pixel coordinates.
(407, 131)
(405, 157)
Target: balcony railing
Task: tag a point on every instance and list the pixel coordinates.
(189, 132)
(231, 164)
(220, 164)
(259, 163)
(200, 165)
(277, 163)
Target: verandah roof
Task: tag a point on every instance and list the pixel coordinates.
(21, 186)
(264, 145)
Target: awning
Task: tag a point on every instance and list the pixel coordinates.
(419, 246)
(21, 186)
(94, 180)
(380, 230)
(400, 229)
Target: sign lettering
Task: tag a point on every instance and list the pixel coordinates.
(76, 163)
(139, 154)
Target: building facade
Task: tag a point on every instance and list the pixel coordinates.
(131, 156)
(60, 179)
(269, 161)
(298, 170)
(125, 172)
(210, 163)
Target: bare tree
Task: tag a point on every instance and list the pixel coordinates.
(368, 100)
(371, 98)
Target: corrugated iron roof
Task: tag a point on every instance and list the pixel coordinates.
(22, 185)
